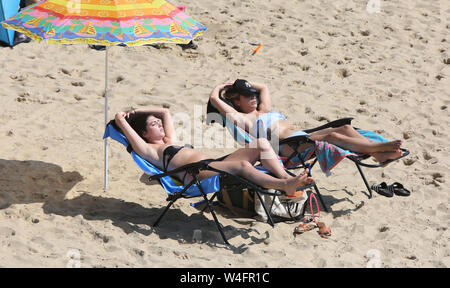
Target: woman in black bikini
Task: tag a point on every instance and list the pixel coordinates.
(151, 134)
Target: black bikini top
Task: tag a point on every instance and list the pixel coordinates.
(170, 152)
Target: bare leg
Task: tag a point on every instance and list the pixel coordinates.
(247, 171)
(348, 138)
(265, 154)
(347, 130)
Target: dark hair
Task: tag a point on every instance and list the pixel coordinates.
(230, 94)
(138, 121)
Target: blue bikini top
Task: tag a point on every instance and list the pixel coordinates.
(264, 121)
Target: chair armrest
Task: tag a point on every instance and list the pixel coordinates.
(359, 159)
(332, 124)
(296, 139)
(193, 167)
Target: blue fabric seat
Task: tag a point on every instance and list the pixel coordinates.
(170, 185)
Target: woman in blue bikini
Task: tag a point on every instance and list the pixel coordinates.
(257, 117)
(151, 134)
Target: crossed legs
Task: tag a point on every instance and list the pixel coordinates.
(348, 138)
(241, 162)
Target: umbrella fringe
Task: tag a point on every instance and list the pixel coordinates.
(34, 36)
(25, 31)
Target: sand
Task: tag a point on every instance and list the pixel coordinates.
(321, 61)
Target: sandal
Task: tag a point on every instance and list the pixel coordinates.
(398, 189)
(382, 189)
(324, 231)
(303, 227)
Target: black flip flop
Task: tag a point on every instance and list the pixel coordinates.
(398, 189)
(382, 189)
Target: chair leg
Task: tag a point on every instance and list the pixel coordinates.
(212, 212)
(163, 213)
(364, 179)
(210, 201)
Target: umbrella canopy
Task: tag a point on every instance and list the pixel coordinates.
(106, 22)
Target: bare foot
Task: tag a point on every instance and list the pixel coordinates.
(391, 146)
(383, 156)
(293, 183)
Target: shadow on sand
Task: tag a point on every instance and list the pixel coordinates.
(23, 182)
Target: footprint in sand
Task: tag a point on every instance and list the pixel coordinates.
(343, 73)
(78, 83)
(65, 71)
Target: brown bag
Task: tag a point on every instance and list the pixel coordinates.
(238, 199)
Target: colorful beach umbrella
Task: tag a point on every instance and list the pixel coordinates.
(107, 23)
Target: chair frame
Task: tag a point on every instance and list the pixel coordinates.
(294, 142)
(194, 169)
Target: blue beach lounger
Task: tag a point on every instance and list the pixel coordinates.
(321, 152)
(196, 188)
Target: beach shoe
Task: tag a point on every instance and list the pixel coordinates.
(190, 45)
(324, 231)
(304, 227)
(97, 47)
(21, 38)
(398, 189)
(298, 193)
(382, 189)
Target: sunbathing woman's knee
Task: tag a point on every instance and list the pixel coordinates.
(348, 128)
(244, 165)
(263, 144)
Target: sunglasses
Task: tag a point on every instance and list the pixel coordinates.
(245, 96)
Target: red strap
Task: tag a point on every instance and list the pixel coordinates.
(317, 205)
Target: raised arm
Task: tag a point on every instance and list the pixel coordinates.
(166, 118)
(265, 104)
(226, 110)
(220, 105)
(139, 145)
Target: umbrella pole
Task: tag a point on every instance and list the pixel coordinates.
(106, 119)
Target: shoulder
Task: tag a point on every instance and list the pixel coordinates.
(263, 110)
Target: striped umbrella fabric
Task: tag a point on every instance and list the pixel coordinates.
(106, 22)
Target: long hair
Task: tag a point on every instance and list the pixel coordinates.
(138, 121)
(228, 96)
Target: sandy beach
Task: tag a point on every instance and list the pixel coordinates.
(322, 61)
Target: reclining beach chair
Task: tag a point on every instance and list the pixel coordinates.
(299, 160)
(195, 188)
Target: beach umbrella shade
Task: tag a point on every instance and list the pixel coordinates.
(107, 23)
